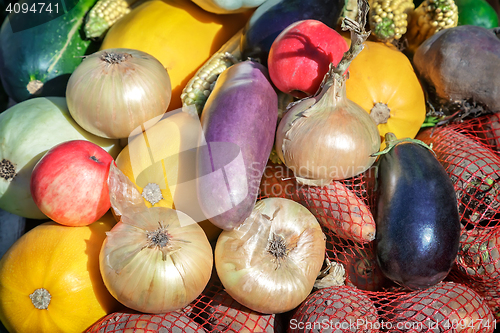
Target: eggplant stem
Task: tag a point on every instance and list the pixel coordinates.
(391, 142)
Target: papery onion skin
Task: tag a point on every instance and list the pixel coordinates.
(252, 275)
(111, 98)
(138, 277)
(330, 140)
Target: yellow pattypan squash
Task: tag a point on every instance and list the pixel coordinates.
(382, 81)
(55, 268)
(178, 33)
(160, 158)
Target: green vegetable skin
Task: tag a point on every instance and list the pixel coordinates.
(476, 12)
(49, 52)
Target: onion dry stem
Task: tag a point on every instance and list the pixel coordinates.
(160, 239)
(115, 58)
(278, 248)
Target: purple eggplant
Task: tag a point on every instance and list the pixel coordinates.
(239, 123)
(418, 225)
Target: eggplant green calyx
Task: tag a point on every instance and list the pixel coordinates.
(391, 142)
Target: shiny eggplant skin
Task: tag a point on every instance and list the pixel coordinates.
(239, 122)
(273, 16)
(417, 219)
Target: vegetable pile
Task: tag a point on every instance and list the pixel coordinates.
(250, 166)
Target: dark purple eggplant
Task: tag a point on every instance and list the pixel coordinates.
(239, 123)
(273, 16)
(418, 225)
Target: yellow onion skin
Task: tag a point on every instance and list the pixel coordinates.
(111, 96)
(144, 271)
(249, 270)
(327, 138)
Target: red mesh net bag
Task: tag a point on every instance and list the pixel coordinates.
(467, 301)
(341, 308)
(213, 311)
(485, 129)
(470, 152)
(140, 322)
(474, 170)
(446, 307)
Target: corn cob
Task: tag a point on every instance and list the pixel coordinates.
(389, 18)
(427, 19)
(104, 14)
(200, 86)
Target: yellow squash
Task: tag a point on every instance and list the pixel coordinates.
(178, 33)
(55, 268)
(162, 158)
(382, 81)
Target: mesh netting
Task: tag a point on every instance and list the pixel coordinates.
(474, 170)
(335, 307)
(469, 152)
(213, 311)
(467, 301)
(139, 322)
(446, 307)
(485, 129)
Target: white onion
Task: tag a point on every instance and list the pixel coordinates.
(154, 260)
(270, 262)
(329, 137)
(115, 91)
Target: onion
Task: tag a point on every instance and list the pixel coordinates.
(328, 137)
(115, 91)
(154, 260)
(270, 262)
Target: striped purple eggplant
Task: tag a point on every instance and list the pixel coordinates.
(239, 123)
